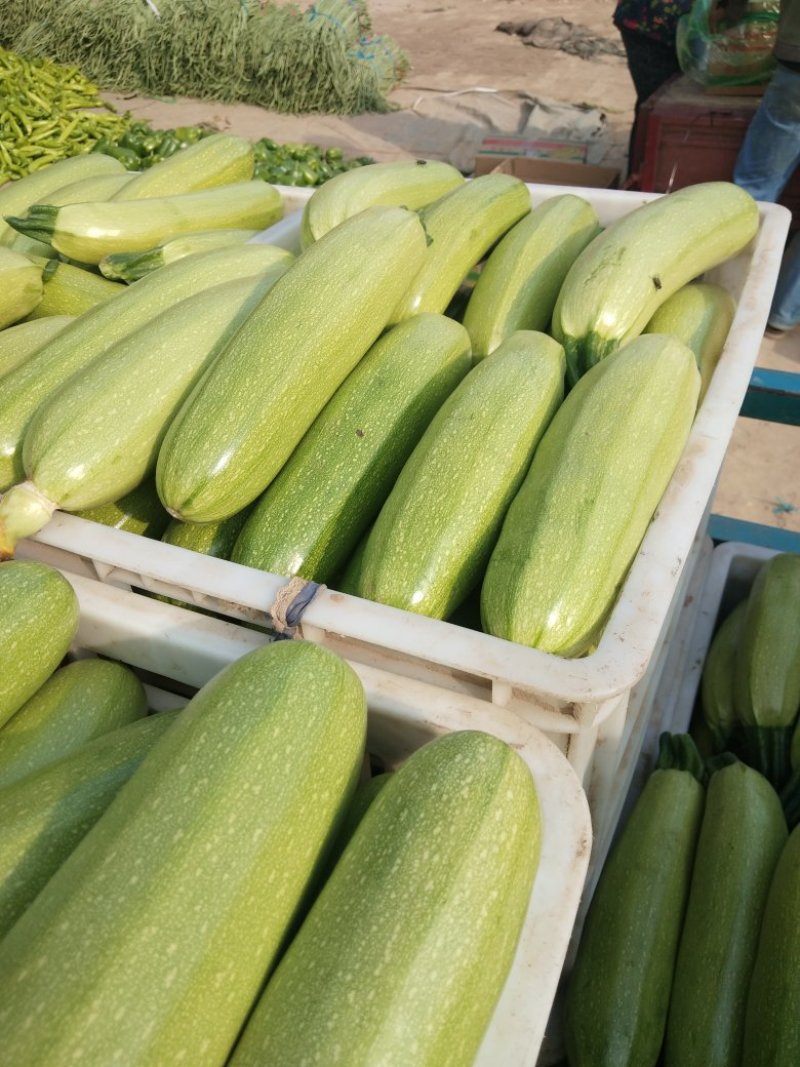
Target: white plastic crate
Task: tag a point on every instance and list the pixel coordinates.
(723, 578)
(568, 699)
(190, 648)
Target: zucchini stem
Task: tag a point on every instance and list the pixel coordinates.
(39, 223)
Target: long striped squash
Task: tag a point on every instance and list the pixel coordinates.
(616, 285)
(163, 923)
(245, 418)
(406, 950)
(574, 526)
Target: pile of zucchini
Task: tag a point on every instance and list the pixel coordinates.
(332, 416)
(690, 956)
(212, 886)
(750, 690)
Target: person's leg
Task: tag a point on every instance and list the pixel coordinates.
(770, 152)
(650, 63)
(785, 313)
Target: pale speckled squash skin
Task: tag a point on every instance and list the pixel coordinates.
(411, 184)
(221, 159)
(161, 926)
(69, 290)
(461, 227)
(44, 816)
(615, 286)
(19, 342)
(112, 447)
(140, 512)
(519, 284)
(26, 387)
(700, 315)
(20, 286)
(742, 835)
(618, 991)
(576, 523)
(772, 1024)
(131, 266)
(311, 517)
(38, 619)
(433, 537)
(76, 704)
(244, 420)
(404, 954)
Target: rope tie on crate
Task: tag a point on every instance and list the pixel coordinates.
(290, 603)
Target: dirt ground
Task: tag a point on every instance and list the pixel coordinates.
(456, 51)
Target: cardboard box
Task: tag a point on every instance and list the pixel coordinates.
(550, 171)
(511, 145)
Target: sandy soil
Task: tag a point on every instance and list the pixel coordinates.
(454, 46)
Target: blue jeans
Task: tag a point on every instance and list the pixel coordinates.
(767, 159)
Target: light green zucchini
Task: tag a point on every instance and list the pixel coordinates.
(356, 810)
(312, 515)
(717, 684)
(38, 617)
(92, 190)
(69, 290)
(76, 704)
(430, 544)
(19, 342)
(88, 232)
(461, 228)
(245, 419)
(700, 315)
(140, 512)
(233, 807)
(404, 954)
(519, 284)
(75, 464)
(97, 187)
(618, 991)
(577, 521)
(20, 287)
(221, 159)
(25, 388)
(411, 184)
(44, 816)
(130, 266)
(616, 285)
(766, 685)
(209, 538)
(772, 1023)
(350, 575)
(17, 197)
(741, 837)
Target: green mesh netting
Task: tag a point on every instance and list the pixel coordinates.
(322, 59)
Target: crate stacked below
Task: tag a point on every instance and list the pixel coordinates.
(176, 651)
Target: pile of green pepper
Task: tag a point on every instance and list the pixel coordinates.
(46, 114)
(140, 146)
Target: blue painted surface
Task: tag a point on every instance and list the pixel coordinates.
(724, 528)
(773, 396)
